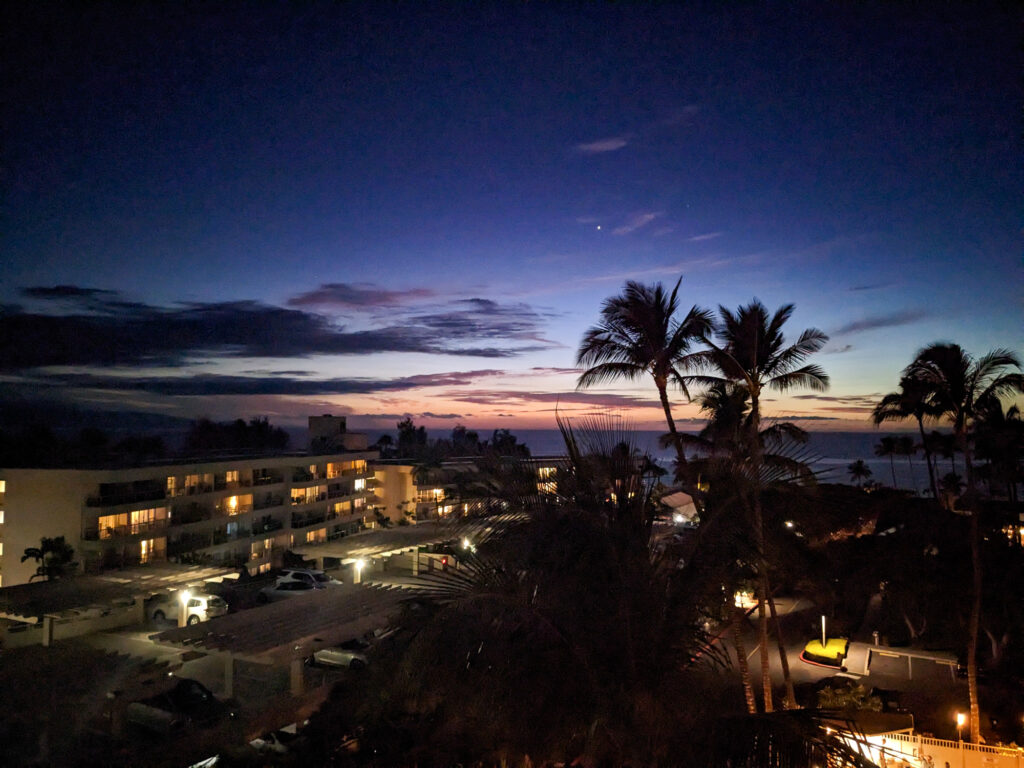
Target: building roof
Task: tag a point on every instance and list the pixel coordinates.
(390, 541)
(304, 621)
(28, 602)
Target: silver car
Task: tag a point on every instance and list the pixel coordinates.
(351, 654)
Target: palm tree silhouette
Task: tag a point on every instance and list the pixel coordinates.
(639, 336)
(859, 472)
(958, 385)
(887, 447)
(911, 400)
(750, 349)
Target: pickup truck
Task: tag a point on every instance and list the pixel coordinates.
(188, 702)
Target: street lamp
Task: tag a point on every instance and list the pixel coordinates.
(824, 640)
(961, 718)
(185, 596)
(360, 564)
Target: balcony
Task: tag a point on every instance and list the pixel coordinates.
(183, 514)
(268, 501)
(223, 485)
(98, 533)
(266, 524)
(300, 520)
(188, 542)
(241, 509)
(134, 497)
(222, 536)
(268, 480)
(300, 500)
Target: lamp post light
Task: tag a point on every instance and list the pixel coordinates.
(824, 639)
(961, 718)
(360, 564)
(185, 596)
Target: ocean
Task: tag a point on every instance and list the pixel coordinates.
(830, 453)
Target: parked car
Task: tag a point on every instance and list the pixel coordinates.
(285, 589)
(188, 702)
(309, 575)
(832, 654)
(351, 654)
(200, 607)
(276, 741)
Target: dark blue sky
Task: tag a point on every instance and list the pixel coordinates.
(418, 209)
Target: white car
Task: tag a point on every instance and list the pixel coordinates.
(308, 575)
(200, 607)
(351, 654)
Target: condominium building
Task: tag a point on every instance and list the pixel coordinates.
(242, 511)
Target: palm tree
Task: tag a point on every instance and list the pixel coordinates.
(750, 349)
(859, 472)
(905, 447)
(639, 336)
(886, 447)
(958, 385)
(999, 439)
(55, 557)
(911, 400)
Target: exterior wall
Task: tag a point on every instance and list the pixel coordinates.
(238, 512)
(38, 503)
(394, 490)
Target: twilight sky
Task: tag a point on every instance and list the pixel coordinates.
(418, 209)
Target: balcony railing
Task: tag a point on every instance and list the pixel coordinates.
(267, 525)
(240, 509)
(97, 533)
(223, 485)
(113, 499)
(267, 480)
(300, 520)
(299, 500)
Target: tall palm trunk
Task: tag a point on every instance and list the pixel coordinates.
(928, 458)
(762, 644)
(738, 617)
(892, 468)
(790, 700)
(910, 468)
(972, 628)
(762, 565)
(676, 439)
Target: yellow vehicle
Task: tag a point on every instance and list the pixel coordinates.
(831, 654)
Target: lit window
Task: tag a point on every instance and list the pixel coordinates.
(145, 550)
(358, 503)
(172, 486)
(3, 486)
(360, 484)
(1, 549)
(1, 517)
(231, 476)
(546, 473)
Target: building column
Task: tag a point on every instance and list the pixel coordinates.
(47, 631)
